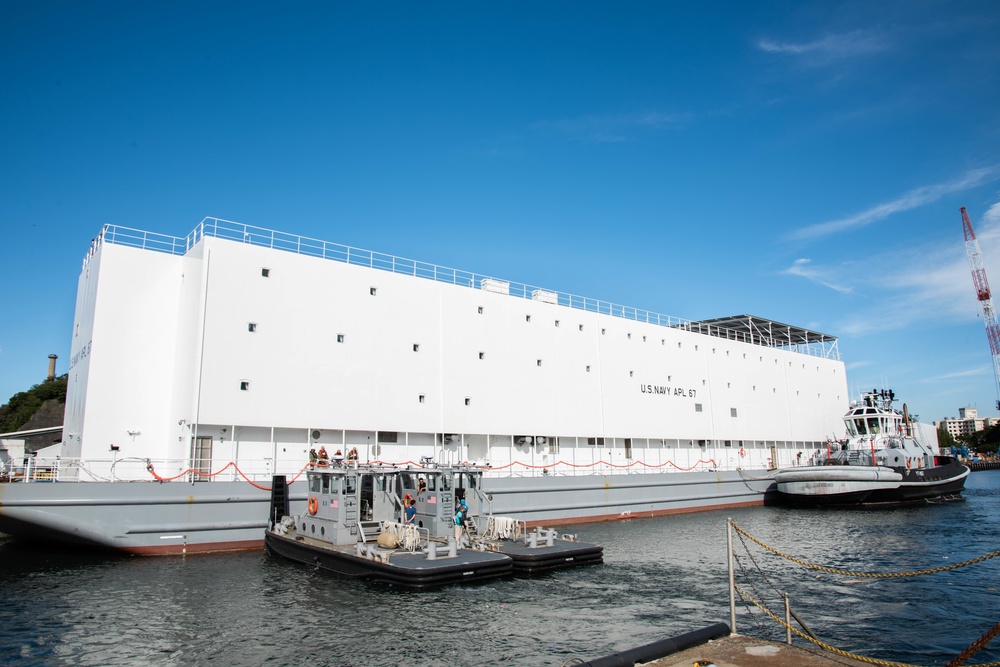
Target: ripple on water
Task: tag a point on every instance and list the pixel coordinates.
(661, 577)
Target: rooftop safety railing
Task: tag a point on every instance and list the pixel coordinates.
(823, 346)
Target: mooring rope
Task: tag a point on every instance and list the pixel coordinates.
(971, 650)
(866, 575)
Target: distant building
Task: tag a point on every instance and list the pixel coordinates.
(968, 422)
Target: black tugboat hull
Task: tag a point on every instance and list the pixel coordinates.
(845, 486)
(404, 569)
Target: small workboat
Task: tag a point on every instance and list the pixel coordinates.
(355, 525)
(886, 459)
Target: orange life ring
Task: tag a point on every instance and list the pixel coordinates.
(313, 505)
(743, 452)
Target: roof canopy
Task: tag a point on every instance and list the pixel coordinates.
(761, 331)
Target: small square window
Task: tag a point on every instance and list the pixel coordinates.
(581, 327)
(603, 331)
(340, 338)
(480, 310)
(588, 369)
(251, 327)
(539, 362)
(468, 401)
(697, 407)
(630, 336)
(265, 272)
(663, 341)
(527, 318)
(557, 322)
(643, 339)
(482, 355)
(630, 373)
(732, 412)
(372, 290)
(421, 398)
(678, 343)
(416, 347)
(244, 385)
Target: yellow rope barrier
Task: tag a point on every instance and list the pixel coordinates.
(821, 644)
(868, 575)
(976, 646)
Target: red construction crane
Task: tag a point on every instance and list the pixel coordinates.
(983, 294)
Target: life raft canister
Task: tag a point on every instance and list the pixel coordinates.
(313, 505)
(743, 452)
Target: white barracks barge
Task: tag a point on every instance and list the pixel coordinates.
(202, 365)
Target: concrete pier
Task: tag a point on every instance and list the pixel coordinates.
(740, 651)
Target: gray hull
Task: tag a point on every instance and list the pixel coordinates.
(181, 517)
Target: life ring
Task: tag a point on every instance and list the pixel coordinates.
(743, 452)
(313, 505)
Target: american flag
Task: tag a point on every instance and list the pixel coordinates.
(432, 500)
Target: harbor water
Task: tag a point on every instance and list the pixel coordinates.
(661, 577)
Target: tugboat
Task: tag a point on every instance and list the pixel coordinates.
(356, 524)
(885, 460)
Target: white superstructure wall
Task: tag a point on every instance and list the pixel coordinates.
(271, 345)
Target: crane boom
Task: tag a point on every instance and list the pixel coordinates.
(983, 294)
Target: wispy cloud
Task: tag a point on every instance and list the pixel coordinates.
(910, 200)
(920, 280)
(854, 365)
(611, 128)
(971, 372)
(830, 47)
(908, 285)
(803, 269)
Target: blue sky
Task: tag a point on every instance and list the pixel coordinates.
(800, 161)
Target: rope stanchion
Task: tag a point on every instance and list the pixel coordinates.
(824, 645)
(972, 649)
(865, 575)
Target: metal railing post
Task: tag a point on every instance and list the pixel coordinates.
(788, 620)
(732, 578)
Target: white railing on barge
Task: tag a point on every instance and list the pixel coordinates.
(823, 346)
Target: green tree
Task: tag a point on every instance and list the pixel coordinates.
(23, 405)
(985, 441)
(944, 439)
